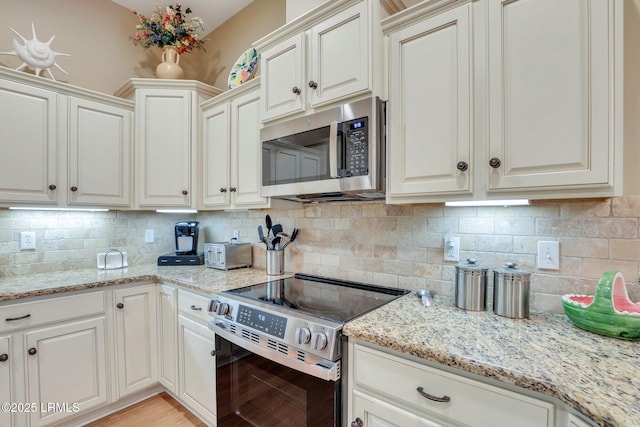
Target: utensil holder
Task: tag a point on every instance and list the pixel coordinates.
(275, 262)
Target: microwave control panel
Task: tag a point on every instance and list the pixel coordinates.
(356, 147)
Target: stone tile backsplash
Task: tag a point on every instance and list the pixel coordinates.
(399, 246)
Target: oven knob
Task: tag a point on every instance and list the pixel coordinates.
(223, 309)
(303, 335)
(319, 340)
(213, 306)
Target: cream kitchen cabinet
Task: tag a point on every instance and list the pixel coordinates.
(135, 338)
(197, 363)
(29, 135)
(484, 102)
(55, 354)
(166, 140)
(321, 57)
(429, 110)
(65, 146)
(231, 154)
(168, 337)
(387, 390)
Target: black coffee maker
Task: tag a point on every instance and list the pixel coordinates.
(186, 234)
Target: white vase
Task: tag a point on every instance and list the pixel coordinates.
(170, 68)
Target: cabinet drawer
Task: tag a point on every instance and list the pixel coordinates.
(33, 313)
(471, 402)
(193, 305)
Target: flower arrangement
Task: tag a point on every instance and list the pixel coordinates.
(168, 26)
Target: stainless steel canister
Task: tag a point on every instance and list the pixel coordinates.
(511, 292)
(471, 286)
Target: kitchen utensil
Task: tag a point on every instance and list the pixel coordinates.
(294, 234)
(261, 236)
(267, 220)
(275, 242)
(425, 297)
(277, 228)
(511, 292)
(471, 286)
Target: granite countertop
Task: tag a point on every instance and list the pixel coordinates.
(197, 278)
(593, 374)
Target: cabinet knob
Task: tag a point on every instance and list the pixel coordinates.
(296, 90)
(120, 305)
(495, 162)
(213, 353)
(32, 351)
(313, 85)
(74, 189)
(223, 190)
(196, 308)
(357, 423)
(4, 357)
(185, 192)
(232, 189)
(462, 166)
(52, 187)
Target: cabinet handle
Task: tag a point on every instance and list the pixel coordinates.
(495, 162)
(442, 399)
(462, 166)
(313, 85)
(357, 423)
(120, 305)
(193, 307)
(213, 353)
(13, 319)
(223, 190)
(185, 192)
(32, 351)
(232, 189)
(52, 187)
(4, 357)
(296, 90)
(74, 189)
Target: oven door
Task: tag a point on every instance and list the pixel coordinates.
(252, 390)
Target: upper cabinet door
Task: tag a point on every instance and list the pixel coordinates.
(164, 133)
(340, 55)
(551, 99)
(215, 156)
(429, 121)
(283, 83)
(99, 154)
(29, 149)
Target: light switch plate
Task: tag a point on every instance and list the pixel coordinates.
(452, 249)
(148, 236)
(549, 255)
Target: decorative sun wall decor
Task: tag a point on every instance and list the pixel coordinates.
(35, 54)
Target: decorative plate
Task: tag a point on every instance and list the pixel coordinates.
(244, 68)
(610, 312)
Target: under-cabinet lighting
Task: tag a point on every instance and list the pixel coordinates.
(182, 211)
(513, 202)
(20, 208)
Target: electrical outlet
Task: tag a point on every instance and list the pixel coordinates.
(236, 235)
(549, 255)
(452, 249)
(27, 240)
(148, 236)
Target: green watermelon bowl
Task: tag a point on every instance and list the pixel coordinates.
(609, 312)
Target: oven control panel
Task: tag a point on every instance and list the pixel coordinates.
(310, 334)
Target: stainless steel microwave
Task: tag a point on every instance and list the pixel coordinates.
(336, 154)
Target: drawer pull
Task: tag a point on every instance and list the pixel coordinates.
(442, 399)
(213, 353)
(13, 319)
(193, 307)
(357, 423)
(4, 357)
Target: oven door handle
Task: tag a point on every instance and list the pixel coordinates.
(330, 372)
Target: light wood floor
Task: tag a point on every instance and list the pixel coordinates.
(157, 411)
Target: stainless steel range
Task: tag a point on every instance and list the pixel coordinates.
(279, 349)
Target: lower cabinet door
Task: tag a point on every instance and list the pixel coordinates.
(371, 412)
(6, 360)
(66, 369)
(197, 368)
(167, 338)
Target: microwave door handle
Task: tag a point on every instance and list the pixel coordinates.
(333, 150)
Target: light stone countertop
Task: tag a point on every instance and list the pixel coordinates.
(197, 278)
(593, 374)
